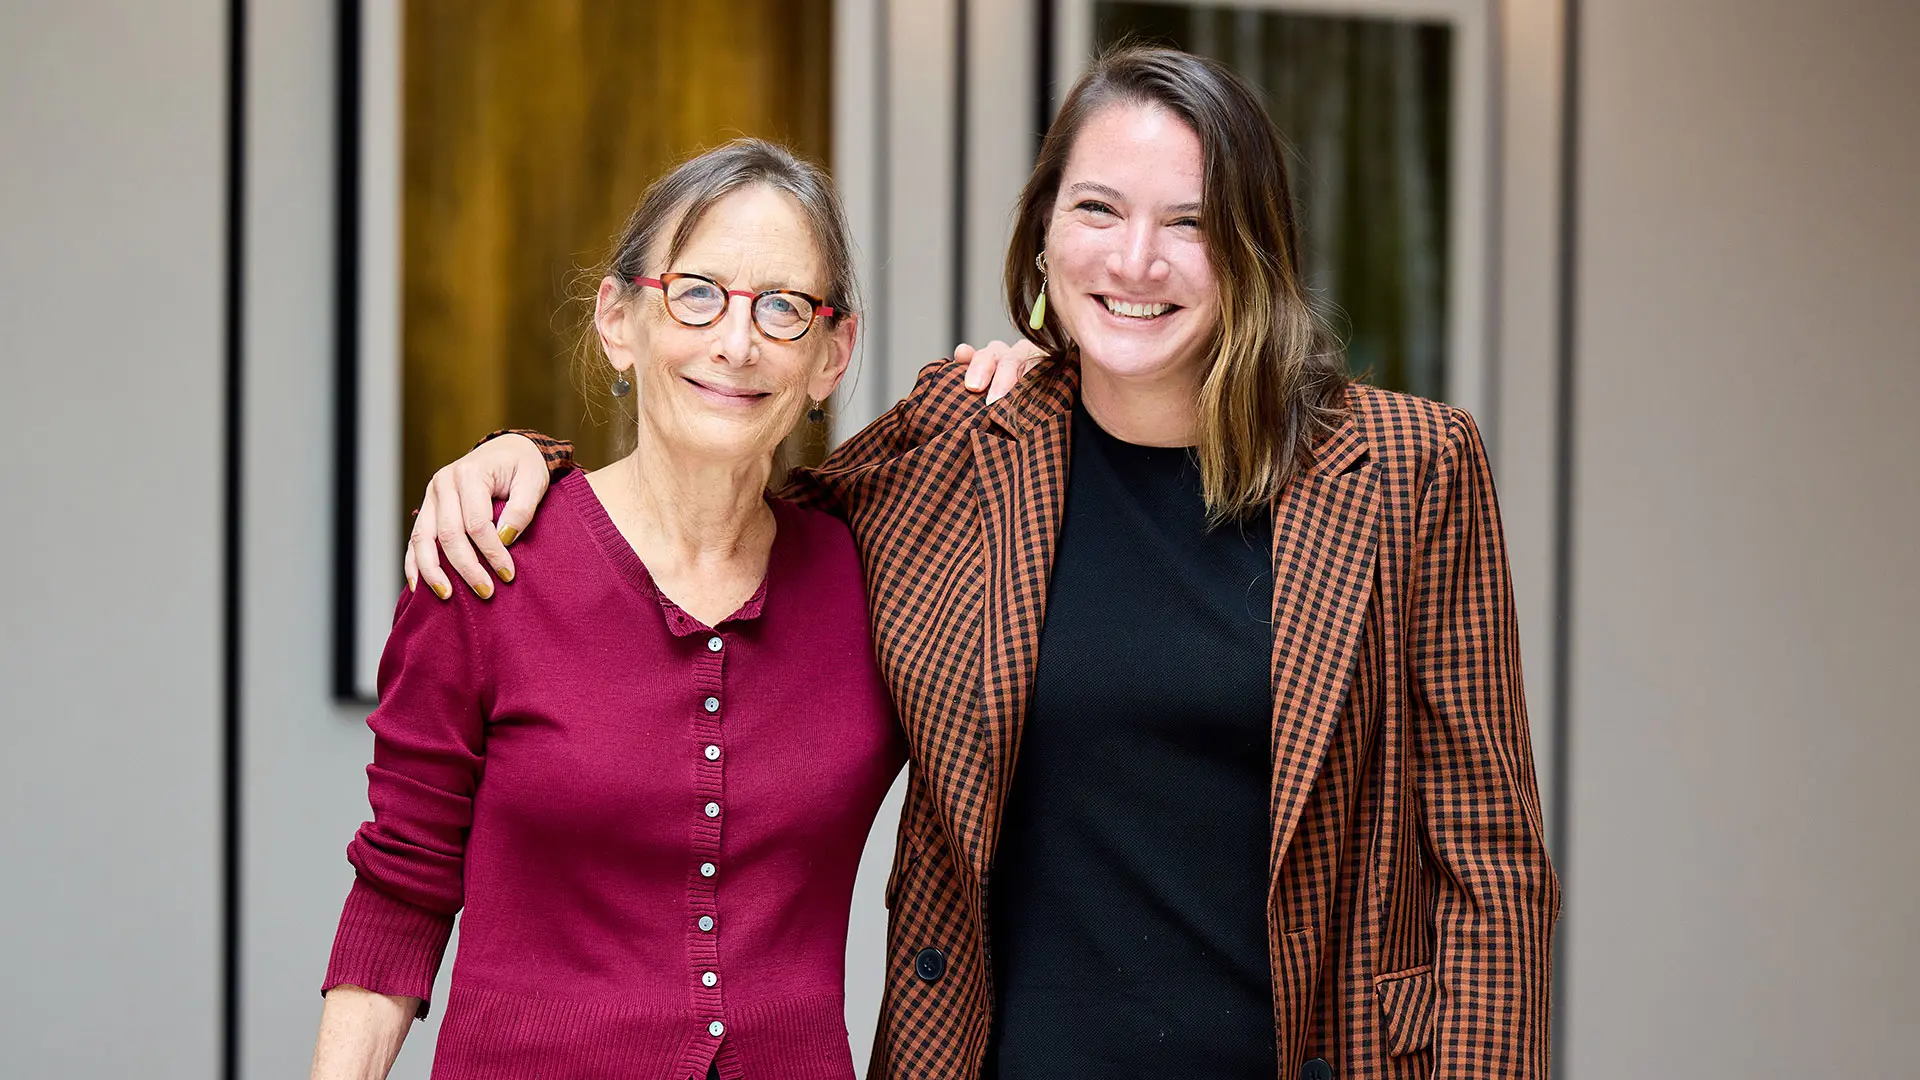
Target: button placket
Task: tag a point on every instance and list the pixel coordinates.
(708, 748)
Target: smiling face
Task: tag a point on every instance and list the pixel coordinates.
(726, 392)
(1128, 272)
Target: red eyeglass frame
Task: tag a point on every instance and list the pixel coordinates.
(821, 309)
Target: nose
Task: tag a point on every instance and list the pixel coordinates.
(733, 333)
(1138, 258)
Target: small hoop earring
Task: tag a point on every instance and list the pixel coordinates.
(621, 387)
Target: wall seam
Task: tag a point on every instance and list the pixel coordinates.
(231, 580)
(1564, 416)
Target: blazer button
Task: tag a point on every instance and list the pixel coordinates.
(1316, 1069)
(930, 965)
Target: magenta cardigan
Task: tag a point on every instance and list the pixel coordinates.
(649, 827)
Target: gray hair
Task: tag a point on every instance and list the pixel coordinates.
(699, 182)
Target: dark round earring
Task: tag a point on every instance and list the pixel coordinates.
(816, 414)
(621, 387)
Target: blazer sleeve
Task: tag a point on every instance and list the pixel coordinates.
(557, 452)
(1474, 779)
(429, 744)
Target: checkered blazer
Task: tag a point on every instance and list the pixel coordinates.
(1412, 903)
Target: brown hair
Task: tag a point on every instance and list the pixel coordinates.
(1277, 385)
(684, 195)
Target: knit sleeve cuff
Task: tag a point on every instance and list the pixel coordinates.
(387, 945)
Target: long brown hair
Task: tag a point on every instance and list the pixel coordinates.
(1277, 385)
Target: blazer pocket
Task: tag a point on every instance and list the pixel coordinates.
(1406, 1003)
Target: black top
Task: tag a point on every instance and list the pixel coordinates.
(1128, 896)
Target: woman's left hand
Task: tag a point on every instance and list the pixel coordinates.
(996, 366)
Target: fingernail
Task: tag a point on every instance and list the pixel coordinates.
(483, 590)
(508, 535)
(444, 592)
(973, 383)
(412, 583)
(505, 572)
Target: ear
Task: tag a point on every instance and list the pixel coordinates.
(612, 320)
(839, 355)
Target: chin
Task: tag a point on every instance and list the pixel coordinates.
(733, 437)
(1136, 359)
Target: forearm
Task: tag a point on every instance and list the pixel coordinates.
(1493, 969)
(361, 1033)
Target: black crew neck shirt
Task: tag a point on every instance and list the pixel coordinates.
(1127, 902)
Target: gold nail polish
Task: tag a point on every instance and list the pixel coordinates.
(483, 591)
(444, 592)
(508, 535)
(505, 572)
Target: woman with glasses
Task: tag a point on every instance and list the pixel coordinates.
(644, 775)
(1206, 655)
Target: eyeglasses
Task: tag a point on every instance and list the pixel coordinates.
(695, 301)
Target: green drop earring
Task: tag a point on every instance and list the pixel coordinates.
(1039, 315)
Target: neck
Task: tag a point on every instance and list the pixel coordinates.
(1156, 410)
(685, 510)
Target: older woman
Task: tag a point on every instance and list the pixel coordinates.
(643, 776)
(1206, 656)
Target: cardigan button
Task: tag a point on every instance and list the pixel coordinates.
(930, 964)
(1316, 1069)
(716, 1029)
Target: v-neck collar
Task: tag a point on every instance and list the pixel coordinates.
(626, 561)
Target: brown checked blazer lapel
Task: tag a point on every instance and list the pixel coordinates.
(1021, 457)
(1324, 541)
(1323, 545)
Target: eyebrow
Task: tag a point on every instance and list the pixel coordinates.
(1089, 187)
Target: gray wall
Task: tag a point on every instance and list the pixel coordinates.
(1743, 862)
(112, 226)
(305, 757)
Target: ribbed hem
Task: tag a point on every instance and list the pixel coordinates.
(799, 1039)
(500, 1035)
(387, 945)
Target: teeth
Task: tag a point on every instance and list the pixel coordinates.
(1136, 311)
